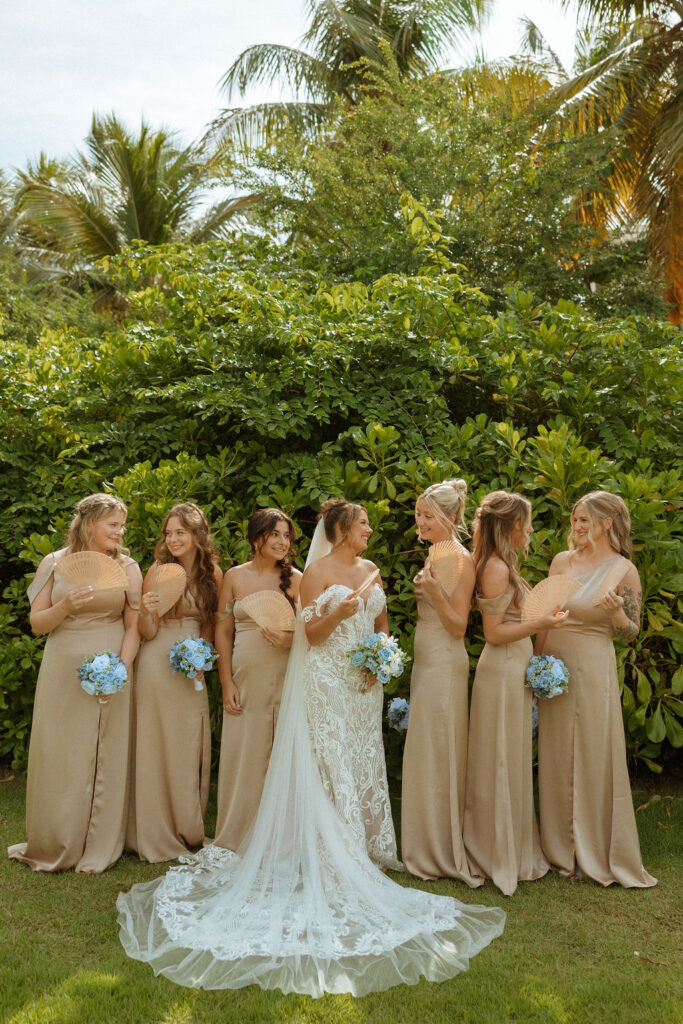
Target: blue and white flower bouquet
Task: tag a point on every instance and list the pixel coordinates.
(380, 656)
(547, 676)
(102, 674)
(192, 655)
(398, 714)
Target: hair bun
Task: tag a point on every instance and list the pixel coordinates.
(458, 485)
(330, 504)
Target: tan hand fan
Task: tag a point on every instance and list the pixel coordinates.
(169, 584)
(92, 569)
(269, 608)
(613, 578)
(446, 559)
(547, 594)
(367, 582)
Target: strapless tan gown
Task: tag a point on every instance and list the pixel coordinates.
(435, 755)
(76, 797)
(258, 669)
(172, 760)
(500, 830)
(587, 817)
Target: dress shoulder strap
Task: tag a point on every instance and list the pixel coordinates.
(43, 576)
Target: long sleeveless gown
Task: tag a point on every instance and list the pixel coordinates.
(76, 797)
(301, 907)
(247, 739)
(172, 758)
(501, 834)
(345, 724)
(587, 817)
(435, 755)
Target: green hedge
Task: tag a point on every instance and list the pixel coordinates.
(239, 379)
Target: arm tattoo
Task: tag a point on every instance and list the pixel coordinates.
(632, 612)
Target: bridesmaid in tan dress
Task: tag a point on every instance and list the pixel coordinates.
(172, 759)
(501, 834)
(435, 756)
(78, 755)
(252, 673)
(588, 826)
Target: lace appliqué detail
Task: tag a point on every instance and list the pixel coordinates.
(345, 725)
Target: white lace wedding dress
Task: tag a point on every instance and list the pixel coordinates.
(300, 906)
(345, 725)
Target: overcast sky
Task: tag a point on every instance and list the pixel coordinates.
(161, 59)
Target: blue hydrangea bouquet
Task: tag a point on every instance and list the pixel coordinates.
(192, 655)
(380, 656)
(398, 714)
(547, 676)
(102, 674)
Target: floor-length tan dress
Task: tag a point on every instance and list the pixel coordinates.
(500, 830)
(172, 759)
(258, 669)
(76, 798)
(587, 817)
(435, 755)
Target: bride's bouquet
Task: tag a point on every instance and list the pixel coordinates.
(192, 655)
(102, 674)
(380, 656)
(547, 676)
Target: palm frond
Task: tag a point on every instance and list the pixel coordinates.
(248, 128)
(222, 215)
(535, 44)
(268, 63)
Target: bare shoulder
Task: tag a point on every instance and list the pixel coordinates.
(133, 571)
(218, 575)
(495, 579)
(560, 563)
(48, 561)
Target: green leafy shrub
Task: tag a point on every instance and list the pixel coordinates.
(241, 379)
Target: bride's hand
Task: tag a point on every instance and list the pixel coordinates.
(347, 607)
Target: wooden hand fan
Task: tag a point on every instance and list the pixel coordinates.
(613, 578)
(446, 559)
(269, 608)
(92, 569)
(367, 582)
(169, 583)
(548, 594)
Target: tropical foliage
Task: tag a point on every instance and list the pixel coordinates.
(416, 33)
(630, 81)
(240, 378)
(123, 187)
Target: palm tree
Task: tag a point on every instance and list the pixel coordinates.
(123, 187)
(630, 81)
(340, 34)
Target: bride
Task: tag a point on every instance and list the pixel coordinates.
(300, 906)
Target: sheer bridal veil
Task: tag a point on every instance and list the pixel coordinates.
(299, 907)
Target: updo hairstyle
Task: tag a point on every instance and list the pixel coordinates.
(338, 512)
(447, 500)
(493, 526)
(260, 526)
(88, 511)
(203, 583)
(601, 505)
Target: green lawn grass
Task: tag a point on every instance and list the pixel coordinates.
(566, 956)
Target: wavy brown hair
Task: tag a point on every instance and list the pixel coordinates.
(260, 526)
(202, 584)
(494, 523)
(89, 510)
(601, 505)
(338, 512)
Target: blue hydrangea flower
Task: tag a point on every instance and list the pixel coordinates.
(102, 674)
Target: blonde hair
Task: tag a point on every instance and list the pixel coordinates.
(493, 525)
(601, 505)
(447, 501)
(338, 512)
(89, 510)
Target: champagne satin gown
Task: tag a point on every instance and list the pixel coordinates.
(500, 830)
(172, 760)
(258, 669)
(587, 817)
(76, 797)
(435, 754)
